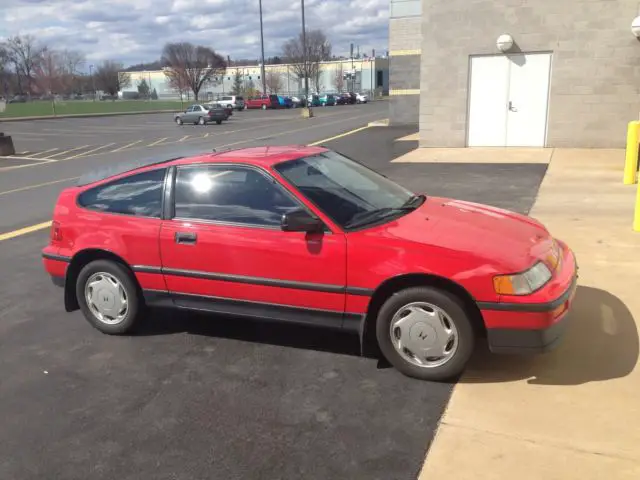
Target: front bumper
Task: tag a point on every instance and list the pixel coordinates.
(534, 340)
(532, 327)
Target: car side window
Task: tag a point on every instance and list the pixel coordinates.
(231, 194)
(138, 195)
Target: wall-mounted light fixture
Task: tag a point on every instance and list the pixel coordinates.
(635, 27)
(504, 42)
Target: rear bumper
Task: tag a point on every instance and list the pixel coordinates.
(531, 327)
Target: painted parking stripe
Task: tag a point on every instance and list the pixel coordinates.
(38, 185)
(126, 146)
(88, 152)
(66, 151)
(24, 231)
(41, 153)
(158, 142)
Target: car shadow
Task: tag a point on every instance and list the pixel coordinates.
(601, 343)
(168, 322)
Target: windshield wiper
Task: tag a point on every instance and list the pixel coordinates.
(414, 201)
(380, 213)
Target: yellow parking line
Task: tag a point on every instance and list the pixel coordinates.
(65, 151)
(24, 231)
(38, 185)
(90, 151)
(126, 146)
(158, 142)
(38, 153)
(350, 132)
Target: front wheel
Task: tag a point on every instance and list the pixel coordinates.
(178, 120)
(108, 297)
(425, 333)
(218, 122)
(264, 107)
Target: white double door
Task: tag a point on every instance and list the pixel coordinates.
(508, 100)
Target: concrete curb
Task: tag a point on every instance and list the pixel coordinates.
(83, 115)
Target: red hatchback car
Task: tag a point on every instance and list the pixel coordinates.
(307, 235)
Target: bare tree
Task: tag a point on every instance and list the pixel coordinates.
(25, 53)
(5, 72)
(48, 73)
(273, 81)
(308, 66)
(192, 65)
(177, 81)
(72, 61)
(338, 79)
(110, 77)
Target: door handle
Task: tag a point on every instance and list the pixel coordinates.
(186, 237)
(511, 107)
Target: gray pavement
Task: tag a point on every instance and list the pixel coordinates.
(195, 397)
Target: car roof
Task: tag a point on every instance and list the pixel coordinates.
(261, 156)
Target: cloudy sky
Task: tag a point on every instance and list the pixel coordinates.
(133, 31)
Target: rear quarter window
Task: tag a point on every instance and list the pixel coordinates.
(138, 195)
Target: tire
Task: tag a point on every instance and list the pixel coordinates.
(230, 106)
(264, 107)
(422, 299)
(92, 272)
(218, 122)
(201, 121)
(179, 121)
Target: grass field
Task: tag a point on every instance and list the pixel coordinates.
(42, 108)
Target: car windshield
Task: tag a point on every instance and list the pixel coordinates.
(351, 194)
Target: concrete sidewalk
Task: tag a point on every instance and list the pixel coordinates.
(573, 413)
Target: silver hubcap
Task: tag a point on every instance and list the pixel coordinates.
(424, 335)
(106, 298)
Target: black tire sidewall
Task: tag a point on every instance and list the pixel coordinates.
(450, 304)
(131, 289)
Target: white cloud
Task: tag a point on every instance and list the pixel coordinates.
(132, 32)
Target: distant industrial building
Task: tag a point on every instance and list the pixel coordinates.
(499, 73)
(367, 75)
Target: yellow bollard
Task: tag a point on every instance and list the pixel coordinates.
(636, 215)
(631, 156)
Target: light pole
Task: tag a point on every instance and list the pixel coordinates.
(264, 80)
(93, 82)
(307, 110)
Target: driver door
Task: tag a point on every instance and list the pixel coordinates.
(224, 249)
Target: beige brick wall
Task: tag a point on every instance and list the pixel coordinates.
(404, 69)
(595, 79)
(405, 34)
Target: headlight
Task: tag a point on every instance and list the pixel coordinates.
(523, 283)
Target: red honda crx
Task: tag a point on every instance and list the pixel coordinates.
(307, 235)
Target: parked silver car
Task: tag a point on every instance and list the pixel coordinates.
(201, 115)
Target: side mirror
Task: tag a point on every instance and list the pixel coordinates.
(301, 221)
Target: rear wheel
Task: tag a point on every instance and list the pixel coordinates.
(218, 122)
(201, 121)
(108, 297)
(264, 107)
(425, 333)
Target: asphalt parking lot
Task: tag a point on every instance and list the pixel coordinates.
(194, 397)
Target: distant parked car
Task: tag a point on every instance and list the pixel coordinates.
(327, 100)
(285, 102)
(298, 102)
(262, 101)
(234, 102)
(201, 115)
(314, 100)
(361, 98)
(108, 97)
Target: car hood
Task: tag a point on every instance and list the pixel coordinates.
(506, 239)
